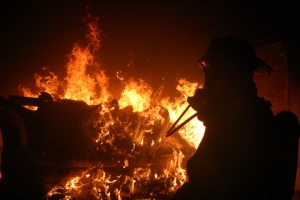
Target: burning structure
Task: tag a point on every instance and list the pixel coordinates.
(81, 142)
(73, 139)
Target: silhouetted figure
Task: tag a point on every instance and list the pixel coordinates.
(232, 159)
(284, 166)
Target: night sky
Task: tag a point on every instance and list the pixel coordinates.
(163, 38)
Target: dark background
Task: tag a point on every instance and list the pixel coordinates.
(164, 38)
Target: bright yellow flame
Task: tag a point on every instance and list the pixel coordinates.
(137, 94)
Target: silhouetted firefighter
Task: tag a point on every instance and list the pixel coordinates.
(233, 158)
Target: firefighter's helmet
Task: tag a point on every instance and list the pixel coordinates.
(232, 53)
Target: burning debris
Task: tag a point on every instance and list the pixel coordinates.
(85, 144)
(138, 183)
(119, 141)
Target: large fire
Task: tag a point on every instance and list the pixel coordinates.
(87, 82)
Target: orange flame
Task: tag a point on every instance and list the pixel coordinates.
(86, 81)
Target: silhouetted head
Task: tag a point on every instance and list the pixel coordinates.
(230, 58)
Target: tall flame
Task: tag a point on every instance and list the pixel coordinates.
(85, 80)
